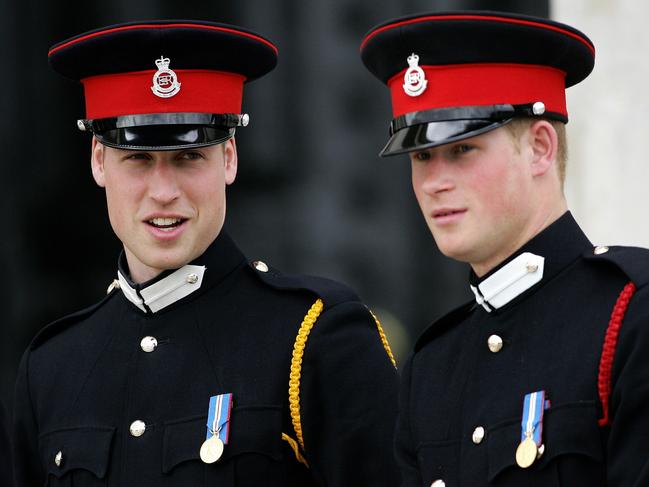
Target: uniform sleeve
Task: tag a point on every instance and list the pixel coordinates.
(348, 401)
(628, 445)
(27, 462)
(403, 444)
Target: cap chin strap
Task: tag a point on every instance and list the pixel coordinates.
(493, 113)
(221, 120)
(177, 147)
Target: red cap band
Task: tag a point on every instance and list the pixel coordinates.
(464, 85)
(200, 91)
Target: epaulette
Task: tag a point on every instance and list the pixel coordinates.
(331, 292)
(444, 323)
(328, 293)
(632, 261)
(61, 324)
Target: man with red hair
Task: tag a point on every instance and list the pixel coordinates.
(542, 379)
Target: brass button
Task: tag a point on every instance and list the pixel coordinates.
(58, 459)
(599, 250)
(438, 483)
(495, 343)
(137, 428)
(260, 266)
(192, 279)
(148, 344)
(478, 435)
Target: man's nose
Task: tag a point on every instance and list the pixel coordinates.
(435, 177)
(163, 183)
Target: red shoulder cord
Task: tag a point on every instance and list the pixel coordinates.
(608, 351)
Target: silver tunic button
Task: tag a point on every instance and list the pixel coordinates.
(192, 279)
(478, 435)
(148, 344)
(260, 266)
(599, 250)
(58, 459)
(531, 268)
(137, 428)
(438, 483)
(495, 343)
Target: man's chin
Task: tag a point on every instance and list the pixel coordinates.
(454, 250)
(161, 262)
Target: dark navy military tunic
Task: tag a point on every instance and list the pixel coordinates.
(85, 380)
(6, 478)
(461, 403)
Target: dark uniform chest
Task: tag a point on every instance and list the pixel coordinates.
(127, 397)
(468, 384)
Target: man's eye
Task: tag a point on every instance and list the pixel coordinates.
(191, 155)
(137, 156)
(422, 156)
(462, 149)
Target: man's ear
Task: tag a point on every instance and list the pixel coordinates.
(97, 162)
(544, 144)
(231, 160)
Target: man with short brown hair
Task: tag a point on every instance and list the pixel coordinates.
(200, 368)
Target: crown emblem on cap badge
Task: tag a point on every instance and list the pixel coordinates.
(414, 81)
(165, 81)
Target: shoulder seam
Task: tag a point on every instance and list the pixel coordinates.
(330, 291)
(37, 340)
(423, 337)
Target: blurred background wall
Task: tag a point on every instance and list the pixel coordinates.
(312, 196)
(608, 172)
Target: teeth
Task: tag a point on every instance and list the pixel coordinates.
(164, 222)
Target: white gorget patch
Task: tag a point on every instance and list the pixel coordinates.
(510, 281)
(166, 291)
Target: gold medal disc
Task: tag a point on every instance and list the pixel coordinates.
(526, 453)
(211, 450)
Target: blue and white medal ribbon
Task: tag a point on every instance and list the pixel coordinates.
(531, 446)
(218, 427)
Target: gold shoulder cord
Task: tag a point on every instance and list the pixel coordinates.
(295, 376)
(296, 373)
(384, 339)
(296, 449)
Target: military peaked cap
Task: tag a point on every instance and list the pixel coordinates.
(163, 85)
(454, 75)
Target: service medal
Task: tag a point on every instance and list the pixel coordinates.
(531, 446)
(211, 450)
(526, 453)
(218, 427)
